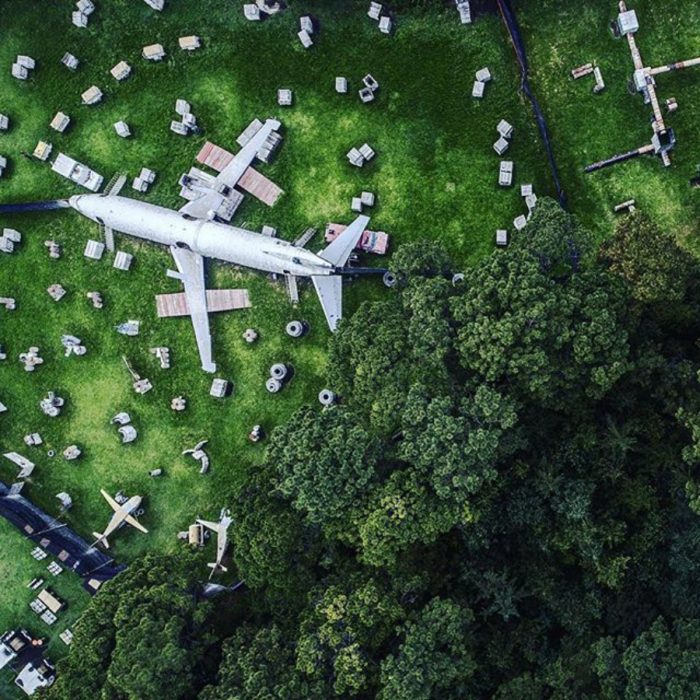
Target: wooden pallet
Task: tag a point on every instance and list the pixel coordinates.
(170, 305)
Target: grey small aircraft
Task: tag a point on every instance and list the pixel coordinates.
(220, 529)
(122, 514)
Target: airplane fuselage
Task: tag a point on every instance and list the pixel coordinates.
(210, 239)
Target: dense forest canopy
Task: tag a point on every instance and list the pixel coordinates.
(504, 504)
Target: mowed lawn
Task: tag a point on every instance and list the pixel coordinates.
(435, 177)
(587, 128)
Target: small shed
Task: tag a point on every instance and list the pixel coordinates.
(505, 173)
(70, 61)
(504, 129)
(153, 52)
(60, 122)
(94, 250)
(182, 107)
(92, 95)
(385, 25)
(189, 43)
(465, 12)
(19, 71)
(483, 75)
(519, 222)
(501, 146)
(367, 151)
(219, 388)
(627, 22)
(341, 85)
(251, 12)
(375, 10)
(121, 70)
(122, 261)
(122, 129)
(367, 199)
(284, 97)
(305, 39)
(79, 19)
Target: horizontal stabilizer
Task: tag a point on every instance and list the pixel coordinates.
(338, 252)
(49, 205)
(330, 293)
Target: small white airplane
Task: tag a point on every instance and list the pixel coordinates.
(193, 234)
(122, 514)
(220, 529)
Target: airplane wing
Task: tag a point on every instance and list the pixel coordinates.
(131, 520)
(233, 172)
(209, 524)
(191, 268)
(211, 197)
(338, 251)
(330, 293)
(115, 506)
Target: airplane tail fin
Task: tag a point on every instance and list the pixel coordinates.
(339, 250)
(101, 539)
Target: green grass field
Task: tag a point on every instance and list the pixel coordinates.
(435, 176)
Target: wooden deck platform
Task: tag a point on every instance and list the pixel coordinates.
(260, 187)
(170, 305)
(214, 156)
(251, 181)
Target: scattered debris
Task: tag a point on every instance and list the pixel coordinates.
(178, 403)
(627, 206)
(56, 292)
(501, 237)
(96, 299)
(70, 61)
(54, 249)
(297, 329)
(341, 85)
(72, 452)
(505, 173)
(582, 71)
(130, 328)
(199, 455)
(33, 440)
(51, 405)
(31, 359)
(163, 354)
(250, 335)
(256, 434)
(73, 345)
(122, 261)
(60, 122)
(284, 97)
(9, 239)
(122, 129)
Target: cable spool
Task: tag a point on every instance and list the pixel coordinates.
(273, 385)
(327, 397)
(296, 329)
(389, 279)
(278, 371)
(51, 453)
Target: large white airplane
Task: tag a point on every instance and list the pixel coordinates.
(220, 529)
(193, 233)
(122, 514)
